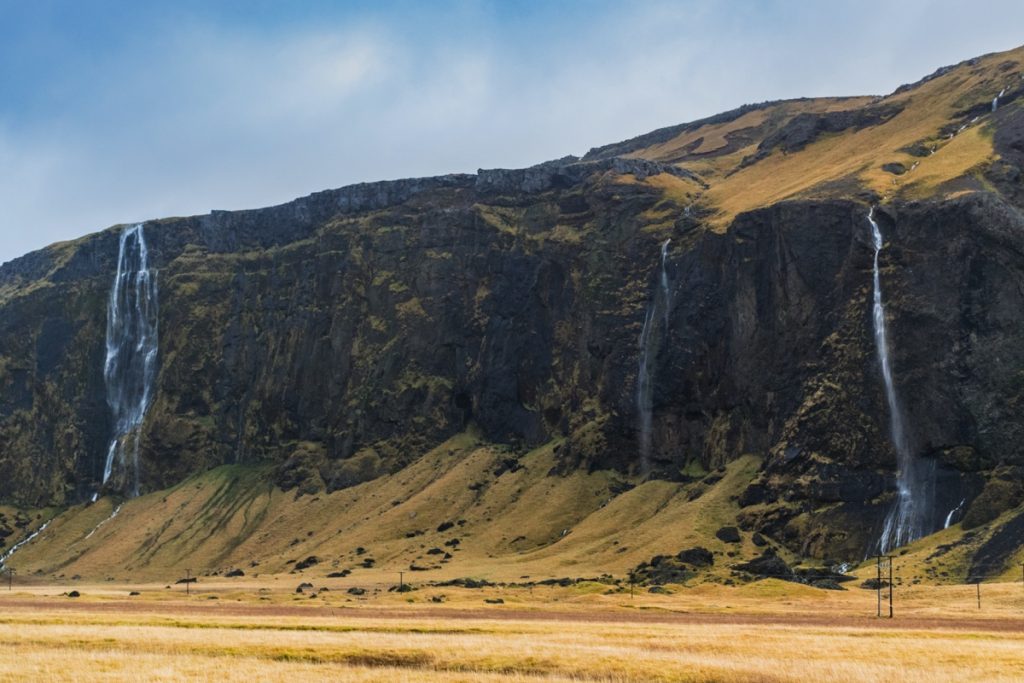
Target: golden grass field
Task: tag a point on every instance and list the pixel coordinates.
(768, 631)
(257, 627)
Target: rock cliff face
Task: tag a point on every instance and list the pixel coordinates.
(338, 337)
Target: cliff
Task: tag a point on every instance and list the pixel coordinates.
(337, 338)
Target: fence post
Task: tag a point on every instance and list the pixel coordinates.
(890, 586)
(878, 584)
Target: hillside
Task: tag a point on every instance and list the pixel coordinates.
(579, 365)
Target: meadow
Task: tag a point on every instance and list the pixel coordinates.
(264, 630)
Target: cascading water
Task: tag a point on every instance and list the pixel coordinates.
(995, 100)
(18, 546)
(130, 368)
(96, 528)
(908, 520)
(649, 339)
(665, 293)
(951, 517)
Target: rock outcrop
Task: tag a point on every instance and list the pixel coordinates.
(340, 336)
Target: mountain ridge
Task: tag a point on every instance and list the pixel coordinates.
(335, 339)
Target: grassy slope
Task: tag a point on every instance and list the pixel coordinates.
(519, 524)
(848, 163)
(550, 526)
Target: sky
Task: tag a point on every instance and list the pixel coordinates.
(114, 112)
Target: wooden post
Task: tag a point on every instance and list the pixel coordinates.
(401, 581)
(978, 584)
(188, 582)
(878, 584)
(10, 579)
(890, 586)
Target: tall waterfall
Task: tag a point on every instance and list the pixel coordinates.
(649, 339)
(130, 368)
(665, 293)
(908, 519)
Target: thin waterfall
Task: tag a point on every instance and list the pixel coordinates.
(649, 339)
(906, 521)
(995, 100)
(130, 366)
(18, 546)
(665, 293)
(952, 514)
(97, 527)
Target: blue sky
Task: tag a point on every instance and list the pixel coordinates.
(122, 111)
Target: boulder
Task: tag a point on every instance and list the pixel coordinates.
(696, 557)
(728, 534)
(768, 565)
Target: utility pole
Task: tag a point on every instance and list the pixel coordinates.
(887, 559)
(10, 579)
(188, 582)
(890, 586)
(878, 583)
(401, 581)
(978, 584)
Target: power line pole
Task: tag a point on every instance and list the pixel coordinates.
(401, 582)
(978, 584)
(890, 586)
(10, 579)
(188, 582)
(878, 583)
(881, 562)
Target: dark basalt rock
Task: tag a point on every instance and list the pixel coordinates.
(755, 494)
(805, 128)
(994, 555)
(728, 534)
(310, 561)
(665, 570)
(696, 557)
(768, 565)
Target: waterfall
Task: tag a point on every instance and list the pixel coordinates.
(665, 293)
(952, 514)
(906, 521)
(995, 100)
(97, 527)
(18, 546)
(648, 350)
(130, 366)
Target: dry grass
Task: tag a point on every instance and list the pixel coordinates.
(550, 526)
(850, 162)
(589, 642)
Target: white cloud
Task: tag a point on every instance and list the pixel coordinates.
(209, 117)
